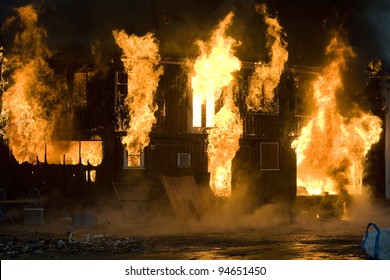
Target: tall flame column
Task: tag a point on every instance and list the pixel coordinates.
(332, 148)
(213, 80)
(141, 61)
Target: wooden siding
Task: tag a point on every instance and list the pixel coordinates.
(161, 155)
(261, 125)
(173, 100)
(269, 185)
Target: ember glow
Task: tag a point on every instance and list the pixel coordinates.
(332, 148)
(266, 76)
(213, 81)
(141, 61)
(72, 152)
(33, 104)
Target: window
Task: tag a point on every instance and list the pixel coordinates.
(264, 98)
(121, 110)
(203, 111)
(184, 160)
(90, 176)
(133, 160)
(80, 80)
(71, 152)
(269, 156)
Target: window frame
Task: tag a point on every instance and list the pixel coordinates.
(277, 156)
(179, 161)
(141, 156)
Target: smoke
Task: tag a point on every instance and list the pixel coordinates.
(372, 34)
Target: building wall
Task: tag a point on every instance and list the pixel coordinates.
(161, 156)
(173, 134)
(376, 100)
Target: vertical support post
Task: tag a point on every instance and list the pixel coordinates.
(79, 152)
(386, 95)
(45, 156)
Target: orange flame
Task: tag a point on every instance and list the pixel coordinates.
(73, 152)
(213, 71)
(33, 104)
(213, 80)
(223, 145)
(331, 149)
(27, 126)
(266, 77)
(141, 59)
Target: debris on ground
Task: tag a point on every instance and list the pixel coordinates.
(70, 248)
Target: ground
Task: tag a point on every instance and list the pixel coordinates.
(321, 240)
(300, 231)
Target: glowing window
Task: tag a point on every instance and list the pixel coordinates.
(133, 160)
(90, 176)
(71, 152)
(203, 111)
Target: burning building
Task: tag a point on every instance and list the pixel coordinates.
(96, 124)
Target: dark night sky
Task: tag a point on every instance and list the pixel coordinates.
(74, 24)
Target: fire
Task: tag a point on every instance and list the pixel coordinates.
(141, 61)
(266, 77)
(33, 103)
(72, 152)
(223, 145)
(213, 71)
(213, 80)
(26, 126)
(332, 148)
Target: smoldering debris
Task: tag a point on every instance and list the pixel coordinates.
(74, 247)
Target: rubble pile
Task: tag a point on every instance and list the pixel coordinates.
(73, 247)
